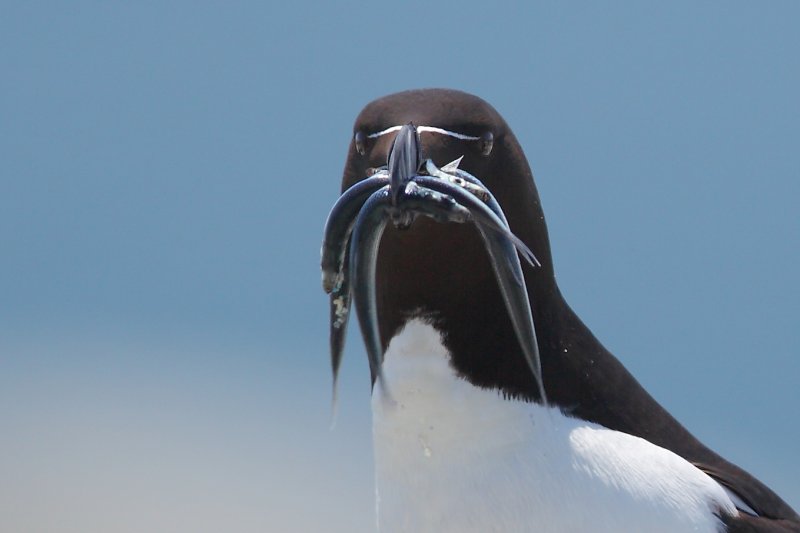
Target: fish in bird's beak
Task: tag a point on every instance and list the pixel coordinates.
(407, 188)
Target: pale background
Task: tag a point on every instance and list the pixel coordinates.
(166, 169)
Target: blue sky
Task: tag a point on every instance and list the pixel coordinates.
(165, 172)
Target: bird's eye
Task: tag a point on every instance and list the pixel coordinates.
(361, 142)
(486, 143)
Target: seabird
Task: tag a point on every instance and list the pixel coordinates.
(494, 406)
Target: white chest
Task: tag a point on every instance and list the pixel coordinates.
(450, 457)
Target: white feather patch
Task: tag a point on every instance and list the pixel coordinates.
(451, 457)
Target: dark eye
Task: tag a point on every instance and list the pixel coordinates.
(486, 142)
(361, 142)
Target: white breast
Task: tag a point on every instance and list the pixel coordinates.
(450, 457)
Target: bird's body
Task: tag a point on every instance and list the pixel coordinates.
(465, 440)
(452, 457)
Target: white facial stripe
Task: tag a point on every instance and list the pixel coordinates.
(384, 132)
(424, 129)
(433, 129)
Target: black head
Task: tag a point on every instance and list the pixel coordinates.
(442, 270)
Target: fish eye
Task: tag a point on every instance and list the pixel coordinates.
(485, 143)
(361, 142)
